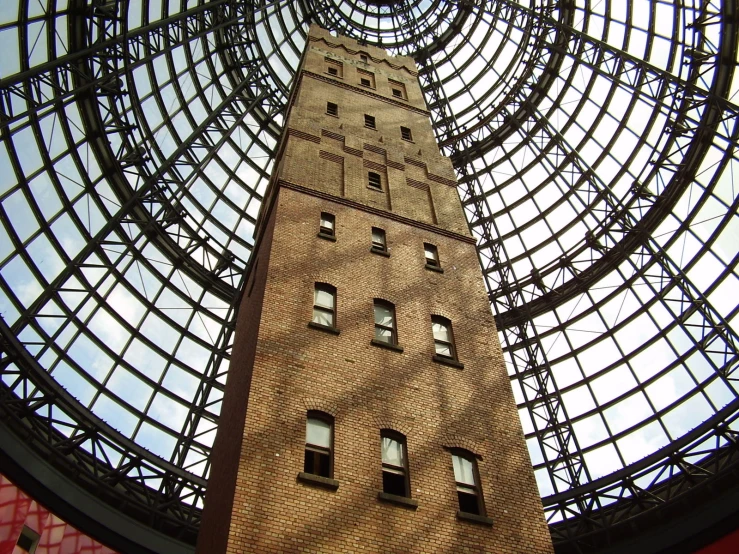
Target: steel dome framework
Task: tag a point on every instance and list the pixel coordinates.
(595, 143)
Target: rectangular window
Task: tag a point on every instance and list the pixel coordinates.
(394, 464)
(385, 322)
(432, 255)
(378, 240)
(398, 89)
(405, 133)
(334, 68)
(366, 79)
(443, 337)
(327, 226)
(374, 181)
(324, 305)
(363, 58)
(369, 121)
(468, 488)
(318, 444)
(332, 109)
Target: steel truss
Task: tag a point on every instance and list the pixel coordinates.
(163, 122)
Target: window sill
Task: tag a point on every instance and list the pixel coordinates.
(370, 128)
(324, 328)
(435, 268)
(324, 236)
(386, 345)
(375, 189)
(332, 115)
(398, 500)
(317, 480)
(448, 361)
(474, 518)
(334, 76)
(380, 252)
(407, 140)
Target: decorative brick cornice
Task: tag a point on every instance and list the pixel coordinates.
(364, 92)
(382, 213)
(331, 157)
(375, 166)
(416, 184)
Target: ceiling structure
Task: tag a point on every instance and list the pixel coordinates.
(595, 144)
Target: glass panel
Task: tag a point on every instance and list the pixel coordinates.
(430, 252)
(324, 299)
(384, 335)
(441, 331)
(383, 315)
(327, 222)
(318, 432)
(463, 470)
(443, 350)
(323, 318)
(392, 452)
(378, 237)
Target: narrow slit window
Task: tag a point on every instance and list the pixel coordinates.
(369, 121)
(327, 225)
(385, 330)
(443, 337)
(332, 109)
(319, 438)
(374, 181)
(324, 305)
(432, 255)
(468, 484)
(378, 240)
(394, 464)
(405, 133)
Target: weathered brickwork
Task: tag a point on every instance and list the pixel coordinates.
(291, 368)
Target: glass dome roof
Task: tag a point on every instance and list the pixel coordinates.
(595, 144)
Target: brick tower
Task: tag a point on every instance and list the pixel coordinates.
(367, 406)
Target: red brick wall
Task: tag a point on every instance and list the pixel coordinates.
(219, 500)
(366, 388)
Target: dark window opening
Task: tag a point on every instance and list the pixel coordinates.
(378, 239)
(405, 133)
(332, 109)
(363, 58)
(318, 444)
(467, 481)
(333, 71)
(327, 225)
(374, 180)
(369, 121)
(432, 255)
(365, 82)
(394, 464)
(28, 540)
(397, 93)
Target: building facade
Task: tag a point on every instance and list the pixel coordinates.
(368, 407)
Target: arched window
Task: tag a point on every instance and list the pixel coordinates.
(319, 442)
(443, 337)
(385, 330)
(395, 478)
(467, 480)
(324, 305)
